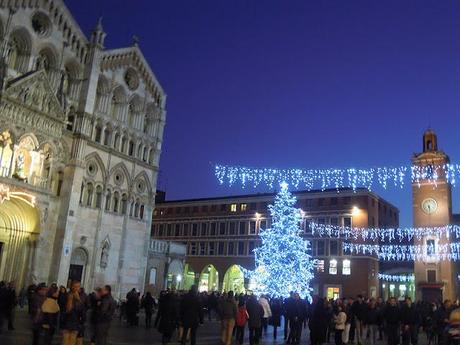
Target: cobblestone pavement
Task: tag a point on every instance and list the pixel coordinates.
(121, 334)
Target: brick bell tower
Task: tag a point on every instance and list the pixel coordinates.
(432, 206)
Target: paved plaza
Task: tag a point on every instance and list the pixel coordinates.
(121, 334)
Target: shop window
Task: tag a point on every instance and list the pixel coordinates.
(333, 293)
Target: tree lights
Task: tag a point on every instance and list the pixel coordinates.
(397, 278)
(337, 178)
(283, 261)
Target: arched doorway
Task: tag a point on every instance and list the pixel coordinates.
(189, 278)
(209, 279)
(19, 230)
(234, 280)
(77, 268)
(175, 271)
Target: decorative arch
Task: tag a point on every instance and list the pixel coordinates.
(48, 58)
(142, 176)
(19, 49)
(100, 164)
(209, 279)
(121, 167)
(78, 265)
(118, 102)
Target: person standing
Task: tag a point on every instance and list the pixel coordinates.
(132, 307)
(11, 303)
(392, 318)
(36, 302)
(340, 320)
(104, 314)
(148, 302)
(227, 312)
(409, 321)
(359, 311)
(191, 315)
(276, 307)
(167, 317)
(263, 301)
(74, 310)
(296, 314)
(372, 322)
(50, 315)
(318, 323)
(242, 317)
(256, 313)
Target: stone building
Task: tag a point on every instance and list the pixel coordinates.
(221, 233)
(81, 130)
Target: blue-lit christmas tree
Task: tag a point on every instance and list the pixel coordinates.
(283, 261)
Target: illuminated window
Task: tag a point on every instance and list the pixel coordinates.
(346, 267)
(392, 290)
(320, 266)
(333, 266)
(430, 247)
(333, 293)
(402, 290)
(233, 208)
(243, 207)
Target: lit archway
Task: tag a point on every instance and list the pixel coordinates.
(19, 229)
(209, 279)
(234, 280)
(175, 271)
(189, 278)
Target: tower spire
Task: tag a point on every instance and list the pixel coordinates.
(98, 34)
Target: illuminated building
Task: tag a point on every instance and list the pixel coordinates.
(220, 234)
(81, 129)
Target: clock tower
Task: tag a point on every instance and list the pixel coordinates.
(432, 206)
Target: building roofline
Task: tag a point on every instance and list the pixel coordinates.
(357, 191)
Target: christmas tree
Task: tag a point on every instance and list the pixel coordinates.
(283, 262)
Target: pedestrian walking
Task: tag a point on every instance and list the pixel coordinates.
(227, 312)
(276, 307)
(242, 317)
(148, 303)
(410, 321)
(167, 317)
(256, 313)
(104, 314)
(35, 311)
(74, 312)
(392, 318)
(340, 319)
(263, 301)
(191, 315)
(50, 316)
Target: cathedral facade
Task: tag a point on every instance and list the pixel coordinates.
(81, 130)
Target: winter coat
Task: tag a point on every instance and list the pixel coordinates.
(74, 318)
(340, 320)
(228, 309)
(50, 310)
(167, 314)
(295, 310)
(410, 316)
(191, 312)
(392, 315)
(255, 312)
(148, 303)
(372, 316)
(266, 306)
(277, 310)
(105, 309)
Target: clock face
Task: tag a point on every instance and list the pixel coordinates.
(429, 205)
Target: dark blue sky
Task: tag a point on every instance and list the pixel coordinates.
(293, 83)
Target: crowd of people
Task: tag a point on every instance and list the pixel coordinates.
(358, 321)
(70, 311)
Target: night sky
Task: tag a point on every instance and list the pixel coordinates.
(312, 84)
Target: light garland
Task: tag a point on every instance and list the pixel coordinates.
(384, 234)
(283, 261)
(338, 178)
(387, 252)
(397, 278)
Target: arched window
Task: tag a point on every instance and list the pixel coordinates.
(98, 134)
(98, 197)
(107, 136)
(118, 103)
(108, 197)
(144, 156)
(136, 210)
(141, 212)
(124, 204)
(82, 191)
(116, 141)
(89, 194)
(151, 155)
(131, 148)
(131, 209)
(139, 151)
(116, 199)
(18, 50)
(123, 144)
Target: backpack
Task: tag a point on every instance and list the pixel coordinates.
(242, 317)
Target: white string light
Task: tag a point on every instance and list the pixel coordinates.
(383, 234)
(397, 278)
(338, 178)
(387, 252)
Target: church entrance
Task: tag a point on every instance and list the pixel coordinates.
(77, 268)
(19, 230)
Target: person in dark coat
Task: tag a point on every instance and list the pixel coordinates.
(11, 303)
(74, 315)
(167, 317)
(148, 303)
(3, 304)
(93, 300)
(132, 307)
(36, 303)
(191, 315)
(62, 301)
(256, 313)
(318, 323)
(359, 310)
(286, 303)
(296, 314)
(104, 314)
(277, 309)
(410, 321)
(50, 316)
(441, 319)
(392, 318)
